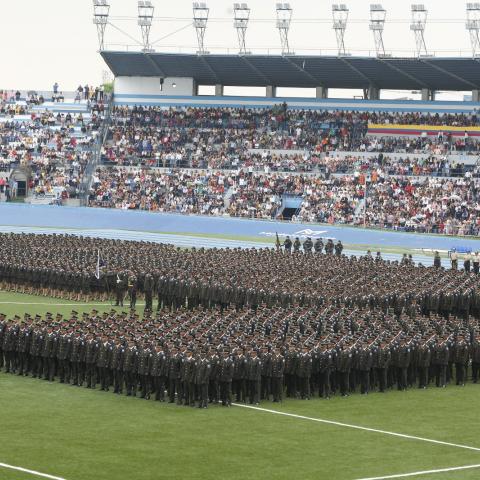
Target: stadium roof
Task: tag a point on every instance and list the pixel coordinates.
(302, 71)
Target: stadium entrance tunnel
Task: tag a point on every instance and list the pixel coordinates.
(288, 213)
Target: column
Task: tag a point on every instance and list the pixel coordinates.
(373, 93)
(321, 92)
(270, 91)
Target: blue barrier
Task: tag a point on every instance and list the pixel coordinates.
(461, 249)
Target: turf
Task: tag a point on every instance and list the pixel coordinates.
(80, 434)
(18, 304)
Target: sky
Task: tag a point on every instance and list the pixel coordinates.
(48, 41)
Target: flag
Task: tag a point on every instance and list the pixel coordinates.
(100, 264)
(277, 243)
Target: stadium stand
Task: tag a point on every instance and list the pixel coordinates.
(420, 204)
(228, 137)
(400, 170)
(45, 147)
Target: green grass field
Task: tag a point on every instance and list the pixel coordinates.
(79, 434)
(18, 304)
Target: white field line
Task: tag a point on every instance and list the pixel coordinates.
(425, 472)
(357, 427)
(31, 472)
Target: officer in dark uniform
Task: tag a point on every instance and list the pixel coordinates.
(318, 246)
(143, 370)
(365, 362)
(9, 344)
(475, 356)
(174, 364)
(239, 372)
(225, 376)
(382, 363)
(23, 348)
(254, 377)
(3, 324)
(91, 351)
(148, 287)
(329, 247)
(344, 360)
(403, 359)
(338, 248)
(49, 354)
(266, 385)
(304, 371)
(104, 361)
(120, 285)
(327, 363)
(476, 263)
(63, 355)
(130, 367)
(132, 290)
(158, 372)
(291, 361)
(424, 361)
(461, 351)
(214, 379)
(441, 359)
(188, 374)
(296, 245)
(118, 352)
(278, 368)
(202, 374)
(77, 358)
(287, 244)
(308, 245)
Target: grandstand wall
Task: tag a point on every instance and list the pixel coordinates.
(134, 94)
(154, 87)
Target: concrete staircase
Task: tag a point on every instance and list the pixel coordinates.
(227, 199)
(360, 209)
(62, 107)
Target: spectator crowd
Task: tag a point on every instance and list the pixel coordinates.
(421, 204)
(232, 137)
(52, 149)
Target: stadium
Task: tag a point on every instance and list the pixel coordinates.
(241, 262)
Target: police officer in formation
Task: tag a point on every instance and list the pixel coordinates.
(240, 325)
(361, 350)
(42, 264)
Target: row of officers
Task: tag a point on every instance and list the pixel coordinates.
(202, 374)
(308, 246)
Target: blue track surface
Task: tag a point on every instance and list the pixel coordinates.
(82, 218)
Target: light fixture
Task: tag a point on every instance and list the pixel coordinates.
(101, 10)
(145, 19)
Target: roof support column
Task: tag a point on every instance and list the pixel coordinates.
(475, 95)
(428, 95)
(218, 90)
(373, 93)
(270, 91)
(321, 92)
